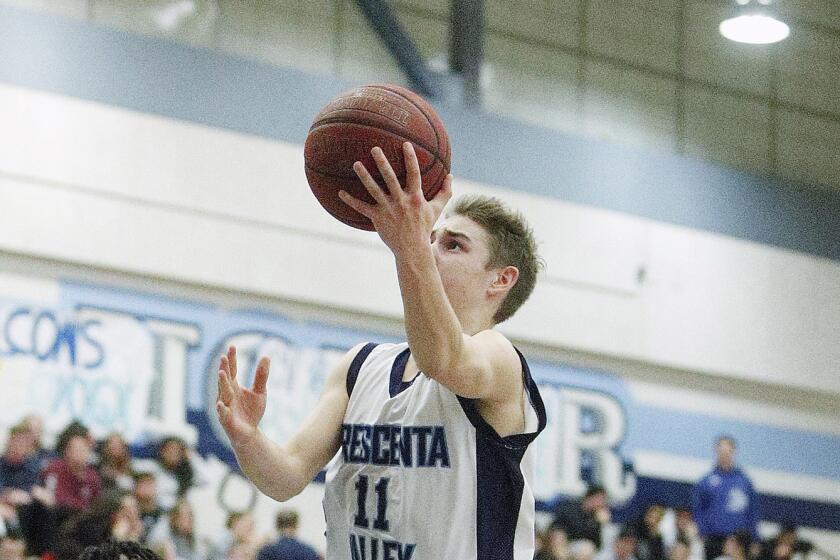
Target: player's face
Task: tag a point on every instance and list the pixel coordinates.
(462, 251)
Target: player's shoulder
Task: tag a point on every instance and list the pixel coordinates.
(360, 353)
(338, 374)
(498, 348)
(347, 369)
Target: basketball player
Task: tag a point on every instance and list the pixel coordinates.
(429, 439)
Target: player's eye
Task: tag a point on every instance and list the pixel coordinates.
(452, 244)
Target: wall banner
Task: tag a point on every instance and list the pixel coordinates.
(145, 365)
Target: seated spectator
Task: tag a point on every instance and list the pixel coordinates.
(174, 458)
(18, 467)
(173, 470)
(108, 518)
(785, 545)
(115, 464)
(583, 519)
(127, 525)
(555, 545)
(241, 541)
(175, 534)
(737, 546)
(688, 532)
(118, 550)
(74, 428)
(24, 505)
(9, 522)
(73, 482)
(12, 547)
(35, 424)
(651, 545)
(679, 551)
(623, 548)
(287, 546)
(145, 494)
(582, 550)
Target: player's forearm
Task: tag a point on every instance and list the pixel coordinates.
(276, 472)
(432, 328)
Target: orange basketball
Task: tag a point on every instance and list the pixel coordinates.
(346, 130)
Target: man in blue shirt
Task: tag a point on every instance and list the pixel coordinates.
(18, 475)
(724, 501)
(287, 547)
(18, 466)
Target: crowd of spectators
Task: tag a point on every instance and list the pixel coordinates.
(720, 523)
(56, 502)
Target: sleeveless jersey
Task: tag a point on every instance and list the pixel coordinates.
(421, 476)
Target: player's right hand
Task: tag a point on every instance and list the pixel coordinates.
(240, 409)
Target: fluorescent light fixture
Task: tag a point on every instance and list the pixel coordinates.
(754, 23)
(178, 16)
(173, 15)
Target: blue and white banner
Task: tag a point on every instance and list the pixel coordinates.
(145, 365)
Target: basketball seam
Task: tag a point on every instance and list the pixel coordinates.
(330, 119)
(336, 120)
(419, 108)
(422, 171)
(334, 176)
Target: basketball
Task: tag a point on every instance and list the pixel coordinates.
(348, 127)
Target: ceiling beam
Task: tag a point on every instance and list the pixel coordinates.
(466, 46)
(381, 18)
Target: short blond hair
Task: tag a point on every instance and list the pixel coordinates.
(512, 243)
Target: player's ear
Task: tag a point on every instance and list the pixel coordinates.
(506, 277)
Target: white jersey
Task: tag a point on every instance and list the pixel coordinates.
(421, 475)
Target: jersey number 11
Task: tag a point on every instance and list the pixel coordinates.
(381, 490)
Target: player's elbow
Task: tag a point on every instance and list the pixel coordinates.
(284, 488)
(284, 494)
(289, 478)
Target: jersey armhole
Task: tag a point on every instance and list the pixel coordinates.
(356, 366)
(516, 443)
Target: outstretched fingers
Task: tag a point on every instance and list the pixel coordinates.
(261, 377)
(387, 172)
(443, 195)
(224, 413)
(227, 391)
(365, 209)
(231, 359)
(370, 183)
(413, 178)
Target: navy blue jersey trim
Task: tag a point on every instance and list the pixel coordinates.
(500, 483)
(517, 442)
(356, 366)
(397, 385)
(499, 489)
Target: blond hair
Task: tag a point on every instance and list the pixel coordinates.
(512, 243)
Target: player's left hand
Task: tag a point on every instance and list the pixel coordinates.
(403, 218)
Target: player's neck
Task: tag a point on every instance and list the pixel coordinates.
(474, 322)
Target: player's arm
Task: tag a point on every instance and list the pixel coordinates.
(281, 471)
(483, 365)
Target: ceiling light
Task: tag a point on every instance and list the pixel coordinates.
(754, 22)
(172, 15)
(178, 16)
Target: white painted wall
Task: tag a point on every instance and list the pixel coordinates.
(95, 185)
